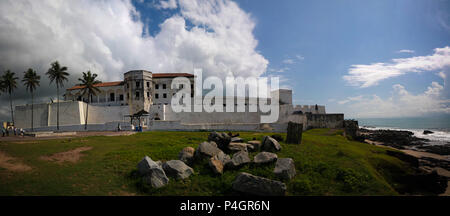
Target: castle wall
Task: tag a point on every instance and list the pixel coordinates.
(325, 121)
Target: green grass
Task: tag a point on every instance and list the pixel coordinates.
(326, 162)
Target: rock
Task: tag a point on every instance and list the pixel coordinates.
(222, 139)
(294, 133)
(236, 140)
(393, 138)
(285, 168)
(222, 157)
(277, 137)
(270, 144)
(216, 165)
(187, 155)
(153, 174)
(236, 147)
(239, 159)
(255, 185)
(177, 169)
(250, 148)
(256, 144)
(414, 161)
(265, 157)
(426, 132)
(207, 150)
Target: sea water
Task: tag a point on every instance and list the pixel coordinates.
(440, 125)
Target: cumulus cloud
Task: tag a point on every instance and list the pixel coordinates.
(169, 4)
(108, 38)
(370, 75)
(401, 103)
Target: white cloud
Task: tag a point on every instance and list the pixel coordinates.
(107, 38)
(169, 4)
(401, 103)
(300, 58)
(369, 75)
(405, 51)
(280, 70)
(288, 61)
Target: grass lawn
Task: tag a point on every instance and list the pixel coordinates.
(326, 162)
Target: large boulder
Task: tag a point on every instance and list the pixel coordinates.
(270, 144)
(186, 155)
(239, 159)
(256, 144)
(255, 185)
(152, 173)
(222, 157)
(177, 169)
(222, 139)
(265, 157)
(237, 147)
(285, 168)
(207, 150)
(216, 165)
(236, 139)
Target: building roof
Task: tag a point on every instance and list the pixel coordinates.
(117, 83)
(171, 75)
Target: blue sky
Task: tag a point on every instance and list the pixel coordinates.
(383, 58)
(324, 38)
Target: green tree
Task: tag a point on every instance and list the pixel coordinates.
(58, 74)
(9, 81)
(31, 81)
(88, 82)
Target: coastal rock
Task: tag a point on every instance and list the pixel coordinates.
(394, 138)
(222, 139)
(250, 148)
(222, 157)
(265, 157)
(152, 173)
(436, 149)
(404, 157)
(256, 144)
(239, 159)
(426, 132)
(216, 165)
(186, 155)
(177, 169)
(207, 150)
(285, 168)
(270, 144)
(255, 185)
(236, 147)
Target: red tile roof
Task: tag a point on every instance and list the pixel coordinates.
(117, 83)
(170, 75)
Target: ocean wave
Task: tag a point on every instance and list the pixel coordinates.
(438, 137)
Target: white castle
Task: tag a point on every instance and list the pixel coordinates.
(144, 99)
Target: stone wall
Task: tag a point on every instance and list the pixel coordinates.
(325, 121)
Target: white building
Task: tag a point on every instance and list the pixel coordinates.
(150, 94)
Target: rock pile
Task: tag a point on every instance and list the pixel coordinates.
(216, 151)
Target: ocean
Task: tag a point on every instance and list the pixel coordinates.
(440, 125)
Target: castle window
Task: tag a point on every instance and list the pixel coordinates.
(128, 95)
(148, 84)
(164, 86)
(137, 95)
(128, 85)
(192, 86)
(181, 86)
(121, 97)
(192, 95)
(157, 86)
(148, 95)
(111, 97)
(156, 96)
(164, 95)
(137, 84)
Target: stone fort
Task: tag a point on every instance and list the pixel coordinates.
(144, 99)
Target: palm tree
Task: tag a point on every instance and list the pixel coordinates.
(88, 82)
(31, 81)
(9, 81)
(59, 75)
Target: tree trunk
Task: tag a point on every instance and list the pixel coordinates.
(57, 107)
(32, 118)
(12, 112)
(87, 113)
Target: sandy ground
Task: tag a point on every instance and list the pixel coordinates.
(12, 163)
(73, 155)
(29, 139)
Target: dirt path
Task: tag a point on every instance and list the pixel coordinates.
(12, 163)
(72, 156)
